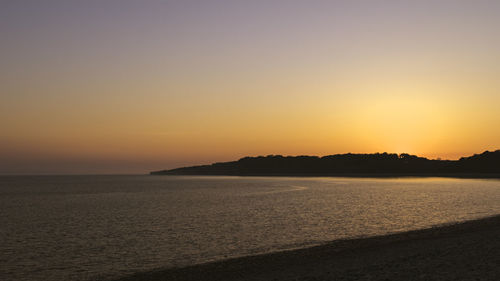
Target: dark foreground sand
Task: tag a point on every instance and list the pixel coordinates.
(465, 251)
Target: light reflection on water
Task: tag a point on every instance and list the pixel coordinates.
(83, 227)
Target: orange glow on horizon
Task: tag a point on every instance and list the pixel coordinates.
(122, 92)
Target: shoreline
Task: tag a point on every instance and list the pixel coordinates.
(460, 251)
(352, 175)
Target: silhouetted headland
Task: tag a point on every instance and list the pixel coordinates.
(486, 164)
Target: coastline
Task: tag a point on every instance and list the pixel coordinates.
(463, 251)
(352, 175)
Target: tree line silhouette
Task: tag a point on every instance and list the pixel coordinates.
(347, 164)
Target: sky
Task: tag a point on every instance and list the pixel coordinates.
(112, 87)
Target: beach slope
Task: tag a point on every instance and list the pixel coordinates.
(464, 251)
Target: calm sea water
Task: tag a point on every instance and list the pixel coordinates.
(90, 227)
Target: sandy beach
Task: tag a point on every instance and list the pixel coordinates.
(464, 251)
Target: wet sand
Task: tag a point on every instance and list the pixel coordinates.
(465, 251)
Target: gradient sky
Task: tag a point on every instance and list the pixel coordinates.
(133, 86)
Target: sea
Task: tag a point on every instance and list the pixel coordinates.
(106, 227)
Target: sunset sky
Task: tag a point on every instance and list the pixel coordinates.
(133, 86)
